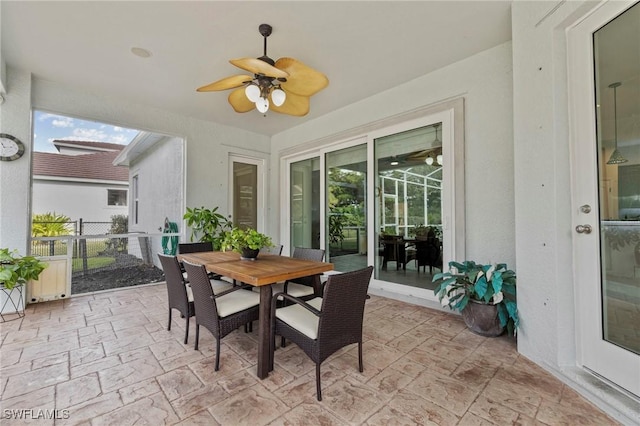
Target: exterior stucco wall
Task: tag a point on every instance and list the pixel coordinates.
(15, 189)
(484, 81)
(161, 188)
(76, 200)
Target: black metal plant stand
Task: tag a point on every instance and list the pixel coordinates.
(9, 302)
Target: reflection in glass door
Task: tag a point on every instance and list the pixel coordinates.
(618, 96)
(246, 195)
(409, 170)
(304, 204)
(346, 217)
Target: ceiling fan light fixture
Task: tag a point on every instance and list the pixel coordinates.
(253, 92)
(439, 159)
(429, 161)
(262, 105)
(278, 96)
(616, 157)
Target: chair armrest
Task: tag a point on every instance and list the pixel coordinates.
(297, 300)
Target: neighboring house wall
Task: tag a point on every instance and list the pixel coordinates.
(160, 173)
(86, 200)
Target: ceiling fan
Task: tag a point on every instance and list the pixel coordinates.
(432, 154)
(284, 86)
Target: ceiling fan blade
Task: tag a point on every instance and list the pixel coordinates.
(258, 66)
(418, 155)
(303, 80)
(226, 83)
(240, 102)
(294, 105)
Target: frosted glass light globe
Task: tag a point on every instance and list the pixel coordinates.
(439, 159)
(262, 104)
(278, 97)
(253, 92)
(429, 161)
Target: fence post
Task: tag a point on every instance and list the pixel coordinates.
(83, 250)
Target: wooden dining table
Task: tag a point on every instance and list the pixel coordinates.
(265, 270)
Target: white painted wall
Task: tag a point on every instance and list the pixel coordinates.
(15, 190)
(161, 187)
(76, 200)
(484, 80)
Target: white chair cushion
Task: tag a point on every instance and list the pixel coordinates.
(217, 286)
(300, 318)
(236, 301)
(293, 289)
(325, 276)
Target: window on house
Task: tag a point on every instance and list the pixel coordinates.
(116, 197)
(134, 196)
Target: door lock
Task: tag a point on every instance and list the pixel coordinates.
(583, 229)
(585, 208)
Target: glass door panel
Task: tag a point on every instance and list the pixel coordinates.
(618, 98)
(346, 201)
(305, 203)
(408, 207)
(245, 195)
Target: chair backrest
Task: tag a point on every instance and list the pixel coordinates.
(176, 290)
(277, 250)
(343, 308)
(394, 249)
(316, 255)
(195, 247)
(203, 300)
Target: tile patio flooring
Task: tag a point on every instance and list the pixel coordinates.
(107, 358)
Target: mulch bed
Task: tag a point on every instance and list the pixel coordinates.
(116, 278)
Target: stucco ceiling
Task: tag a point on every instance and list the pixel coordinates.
(363, 47)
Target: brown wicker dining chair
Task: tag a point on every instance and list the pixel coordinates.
(219, 312)
(321, 326)
(305, 287)
(177, 291)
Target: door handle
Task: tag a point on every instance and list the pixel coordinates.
(583, 229)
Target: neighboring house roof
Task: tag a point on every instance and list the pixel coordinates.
(90, 145)
(96, 166)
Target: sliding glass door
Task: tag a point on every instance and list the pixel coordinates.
(392, 198)
(304, 203)
(346, 201)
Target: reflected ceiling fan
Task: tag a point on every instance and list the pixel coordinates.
(284, 86)
(430, 155)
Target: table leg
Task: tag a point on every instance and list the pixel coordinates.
(264, 331)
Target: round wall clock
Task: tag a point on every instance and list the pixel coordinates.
(10, 147)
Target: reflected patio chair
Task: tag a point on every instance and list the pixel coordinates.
(394, 250)
(324, 325)
(277, 250)
(220, 312)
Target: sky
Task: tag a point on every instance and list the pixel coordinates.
(47, 127)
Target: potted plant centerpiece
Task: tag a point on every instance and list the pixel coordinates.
(247, 242)
(15, 272)
(484, 295)
(207, 225)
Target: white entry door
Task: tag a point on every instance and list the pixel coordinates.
(604, 88)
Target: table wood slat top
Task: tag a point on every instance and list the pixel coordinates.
(266, 269)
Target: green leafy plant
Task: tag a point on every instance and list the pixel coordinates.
(237, 239)
(17, 270)
(489, 284)
(207, 225)
(50, 225)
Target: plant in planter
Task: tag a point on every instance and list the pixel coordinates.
(484, 295)
(247, 242)
(16, 270)
(207, 225)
